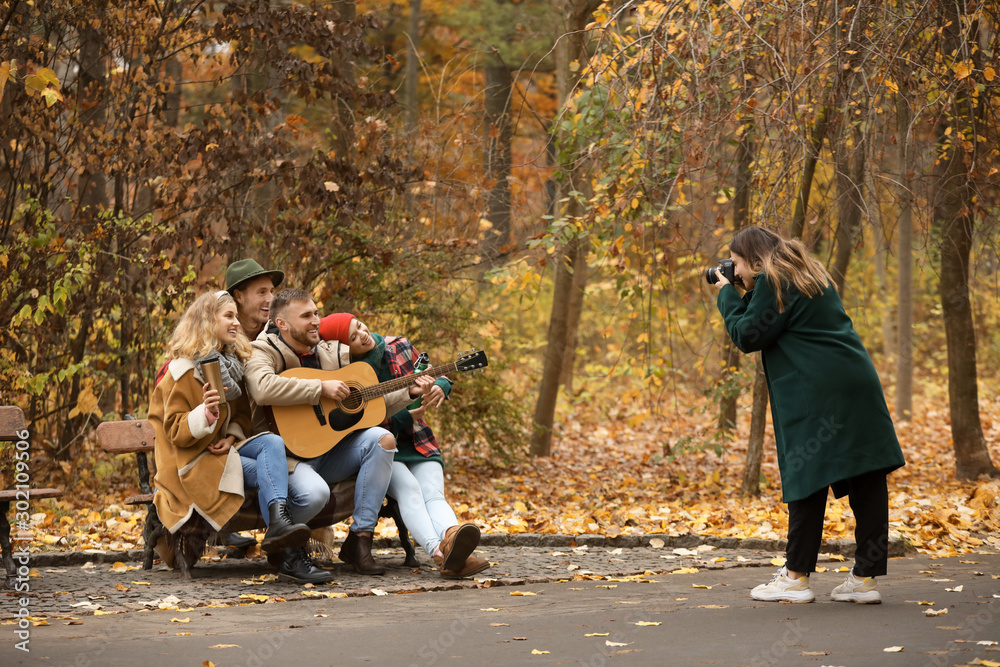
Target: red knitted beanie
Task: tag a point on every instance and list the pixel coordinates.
(336, 327)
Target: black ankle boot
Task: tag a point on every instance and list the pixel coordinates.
(357, 551)
(237, 541)
(281, 532)
(299, 566)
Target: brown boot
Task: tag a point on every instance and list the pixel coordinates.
(473, 565)
(357, 551)
(458, 544)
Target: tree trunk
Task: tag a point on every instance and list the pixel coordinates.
(569, 48)
(850, 182)
(412, 68)
(741, 218)
(904, 314)
(548, 391)
(498, 157)
(755, 446)
(809, 171)
(92, 187)
(574, 309)
(343, 118)
(954, 218)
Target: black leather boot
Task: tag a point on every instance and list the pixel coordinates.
(281, 532)
(357, 551)
(299, 566)
(237, 541)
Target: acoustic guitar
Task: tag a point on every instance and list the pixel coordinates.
(312, 430)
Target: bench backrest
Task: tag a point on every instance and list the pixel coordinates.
(136, 435)
(11, 422)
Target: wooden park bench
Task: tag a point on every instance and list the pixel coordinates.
(137, 436)
(11, 423)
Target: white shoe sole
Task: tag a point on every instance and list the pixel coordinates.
(871, 597)
(795, 598)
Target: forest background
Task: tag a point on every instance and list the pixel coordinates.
(545, 180)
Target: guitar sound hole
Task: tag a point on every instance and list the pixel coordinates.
(352, 402)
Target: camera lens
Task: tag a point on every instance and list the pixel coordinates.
(711, 277)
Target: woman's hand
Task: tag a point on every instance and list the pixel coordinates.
(421, 385)
(721, 279)
(210, 398)
(222, 446)
(434, 397)
(418, 413)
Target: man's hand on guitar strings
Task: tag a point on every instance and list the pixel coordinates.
(335, 389)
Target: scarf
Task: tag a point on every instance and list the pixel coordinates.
(232, 373)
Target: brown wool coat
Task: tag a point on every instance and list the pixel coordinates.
(189, 478)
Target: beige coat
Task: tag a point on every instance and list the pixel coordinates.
(272, 356)
(189, 478)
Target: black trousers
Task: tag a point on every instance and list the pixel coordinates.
(869, 499)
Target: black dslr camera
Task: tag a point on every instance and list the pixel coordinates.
(728, 270)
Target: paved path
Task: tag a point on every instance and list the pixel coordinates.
(702, 617)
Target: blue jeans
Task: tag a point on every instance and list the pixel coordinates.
(358, 454)
(265, 469)
(418, 487)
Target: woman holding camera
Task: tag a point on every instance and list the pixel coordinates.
(831, 424)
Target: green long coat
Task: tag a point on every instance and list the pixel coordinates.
(830, 419)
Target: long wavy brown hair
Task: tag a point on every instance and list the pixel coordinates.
(783, 261)
(195, 335)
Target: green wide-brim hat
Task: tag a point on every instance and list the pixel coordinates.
(247, 269)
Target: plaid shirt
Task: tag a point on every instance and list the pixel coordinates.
(401, 357)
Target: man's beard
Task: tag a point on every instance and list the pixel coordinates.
(301, 337)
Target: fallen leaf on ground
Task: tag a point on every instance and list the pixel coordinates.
(656, 543)
(597, 634)
(892, 649)
(645, 623)
(142, 583)
(608, 642)
(815, 653)
(500, 625)
(935, 612)
(956, 589)
(700, 586)
(523, 593)
(180, 620)
(535, 651)
(379, 591)
(713, 606)
(254, 597)
(777, 561)
(225, 646)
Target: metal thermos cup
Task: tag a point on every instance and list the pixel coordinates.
(213, 376)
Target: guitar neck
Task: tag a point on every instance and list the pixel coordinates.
(390, 386)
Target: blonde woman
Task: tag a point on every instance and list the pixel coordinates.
(204, 458)
(831, 424)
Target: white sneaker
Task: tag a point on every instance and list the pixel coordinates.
(783, 588)
(862, 591)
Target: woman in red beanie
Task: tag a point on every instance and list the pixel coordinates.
(417, 481)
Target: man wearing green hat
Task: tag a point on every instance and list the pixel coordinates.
(252, 287)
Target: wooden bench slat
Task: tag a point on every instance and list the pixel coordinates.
(11, 494)
(123, 437)
(11, 421)
(140, 499)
